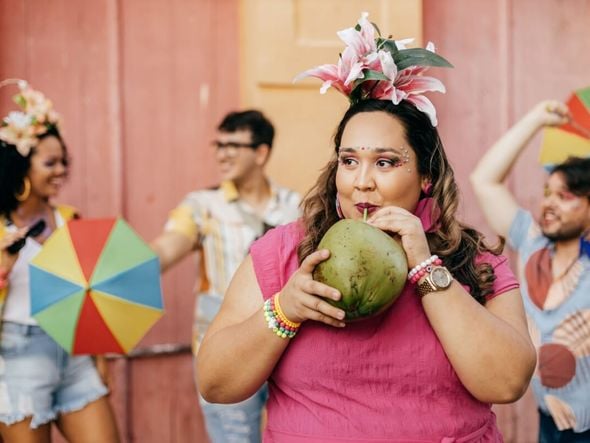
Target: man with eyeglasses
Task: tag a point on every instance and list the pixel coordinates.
(220, 224)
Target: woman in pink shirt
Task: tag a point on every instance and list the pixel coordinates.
(428, 368)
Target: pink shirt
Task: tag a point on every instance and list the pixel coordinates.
(386, 379)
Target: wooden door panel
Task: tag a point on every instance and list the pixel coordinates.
(282, 38)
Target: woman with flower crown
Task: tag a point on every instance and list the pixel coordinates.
(455, 341)
(39, 382)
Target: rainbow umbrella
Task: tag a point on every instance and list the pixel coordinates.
(95, 287)
(571, 139)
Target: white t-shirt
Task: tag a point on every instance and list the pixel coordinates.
(18, 300)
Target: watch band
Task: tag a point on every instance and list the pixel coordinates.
(425, 288)
(433, 282)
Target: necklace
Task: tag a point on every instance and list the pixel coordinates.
(567, 269)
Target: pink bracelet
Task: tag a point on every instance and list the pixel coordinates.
(418, 271)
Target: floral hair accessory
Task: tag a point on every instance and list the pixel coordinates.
(23, 128)
(381, 68)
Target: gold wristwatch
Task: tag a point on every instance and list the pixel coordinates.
(438, 279)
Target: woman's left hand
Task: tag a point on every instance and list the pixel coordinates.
(408, 227)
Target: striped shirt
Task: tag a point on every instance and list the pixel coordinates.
(222, 227)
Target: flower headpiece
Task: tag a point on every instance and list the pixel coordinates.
(375, 67)
(23, 128)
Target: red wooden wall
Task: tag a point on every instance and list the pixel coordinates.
(141, 84)
(508, 55)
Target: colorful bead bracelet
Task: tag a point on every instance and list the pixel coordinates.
(277, 320)
(423, 268)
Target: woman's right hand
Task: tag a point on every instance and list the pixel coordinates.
(303, 298)
(551, 113)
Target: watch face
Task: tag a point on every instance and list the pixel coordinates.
(441, 277)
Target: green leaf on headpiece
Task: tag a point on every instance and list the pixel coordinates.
(419, 57)
(358, 93)
(357, 27)
(20, 100)
(369, 74)
(387, 45)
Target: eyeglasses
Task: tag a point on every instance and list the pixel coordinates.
(231, 148)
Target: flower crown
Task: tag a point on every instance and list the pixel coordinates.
(23, 128)
(375, 67)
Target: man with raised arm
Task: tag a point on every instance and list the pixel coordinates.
(554, 267)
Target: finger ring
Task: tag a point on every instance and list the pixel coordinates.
(549, 108)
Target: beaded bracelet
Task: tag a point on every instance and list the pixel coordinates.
(420, 270)
(277, 321)
(282, 315)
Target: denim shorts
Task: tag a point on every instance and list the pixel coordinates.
(227, 423)
(39, 379)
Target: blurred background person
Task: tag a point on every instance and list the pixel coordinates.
(555, 269)
(39, 382)
(220, 224)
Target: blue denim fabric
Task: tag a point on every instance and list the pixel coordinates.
(39, 379)
(548, 432)
(227, 423)
(235, 423)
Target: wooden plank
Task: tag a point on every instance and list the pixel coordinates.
(164, 404)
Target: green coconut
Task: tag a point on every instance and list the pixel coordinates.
(366, 265)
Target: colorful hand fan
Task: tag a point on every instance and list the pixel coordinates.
(571, 139)
(95, 287)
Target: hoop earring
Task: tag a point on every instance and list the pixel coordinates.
(26, 190)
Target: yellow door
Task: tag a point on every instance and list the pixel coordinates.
(281, 38)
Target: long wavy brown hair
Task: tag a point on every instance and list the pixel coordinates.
(456, 243)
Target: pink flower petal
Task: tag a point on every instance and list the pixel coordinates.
(355, 72)
(362, 42)
(325, 86)
(425, 105)
(349, 67)
(367, 31)
(382, 90)
(413, 70)
(388, 66)
(354, 40)
(323, 72)
(419, 84)
(402, 44)
(398, 96)
(327, 73)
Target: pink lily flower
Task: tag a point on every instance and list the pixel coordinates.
(363, 41)
(340, 76)
(407, 84)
